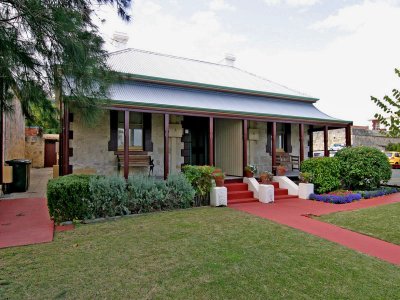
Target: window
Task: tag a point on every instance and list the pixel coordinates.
(135, 130)
(280, 136)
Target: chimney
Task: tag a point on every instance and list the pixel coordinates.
(230, 60)
(375, 124)
(120, 39)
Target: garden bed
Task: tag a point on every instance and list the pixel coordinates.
(343, 196)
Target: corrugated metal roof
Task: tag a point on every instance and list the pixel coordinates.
(161, 66)
(162, 96)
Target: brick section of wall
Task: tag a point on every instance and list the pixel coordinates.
(33, 131)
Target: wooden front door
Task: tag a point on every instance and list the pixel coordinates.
(229, 146)
(50, 155)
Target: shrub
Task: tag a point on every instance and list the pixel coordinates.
(67, 197)
(108, 196)
(146, 194)
(325, 173)
(200, 179)
(180, 193)
(393, 147)
(305, 177)
(363, 167)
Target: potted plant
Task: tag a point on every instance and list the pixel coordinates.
(219, 178)
(266, 177)
(250, 170)
(281, 170)
(306, 188)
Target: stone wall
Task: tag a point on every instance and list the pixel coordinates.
(90, 147)
(14, 133)
(257, 143)
(35, 146)
(360, 136)
(175, 144)
(34, 150)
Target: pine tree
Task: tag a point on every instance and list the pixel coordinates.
(45, 43)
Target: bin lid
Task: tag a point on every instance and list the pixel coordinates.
(19, 161)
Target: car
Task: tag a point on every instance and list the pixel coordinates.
(394, 158)
(336, 147)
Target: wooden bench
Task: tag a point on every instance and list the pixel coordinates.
(136, 159)
(287, 160)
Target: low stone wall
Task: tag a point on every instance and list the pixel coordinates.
(359, 137)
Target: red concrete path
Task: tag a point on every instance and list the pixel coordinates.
(24, 222)
(293, 212)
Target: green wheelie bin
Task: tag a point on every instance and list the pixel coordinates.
(21, 174)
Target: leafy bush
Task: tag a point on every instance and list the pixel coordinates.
(325, 173)
(200, 178)
(108, 196)
(363, 167)
(146, 194)
(180, 193)
(67, 197)
(305, 177)
(88, 196)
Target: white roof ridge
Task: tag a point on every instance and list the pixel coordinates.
(169, 55)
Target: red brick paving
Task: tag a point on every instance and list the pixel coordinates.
(293, 212)
(25, 222)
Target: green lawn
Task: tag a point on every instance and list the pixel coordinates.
(382, 222)
(202, 253)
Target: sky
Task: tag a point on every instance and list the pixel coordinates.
(340, 51)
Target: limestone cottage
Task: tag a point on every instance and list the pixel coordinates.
(168, 111)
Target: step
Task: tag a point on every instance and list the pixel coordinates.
(233, 180)
(243, 200)
(281, 197)
(275, 184)
(233, 187)
(240, 194)
(280, 192)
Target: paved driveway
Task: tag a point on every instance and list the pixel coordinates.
(37, 187)
(395, 177)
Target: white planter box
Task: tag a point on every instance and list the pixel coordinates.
(219, 196)
(266, 193)
(305, 190)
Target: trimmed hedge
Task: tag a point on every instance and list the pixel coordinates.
(68, 196)
(363, 167)
(325, 173)
(90, 196)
